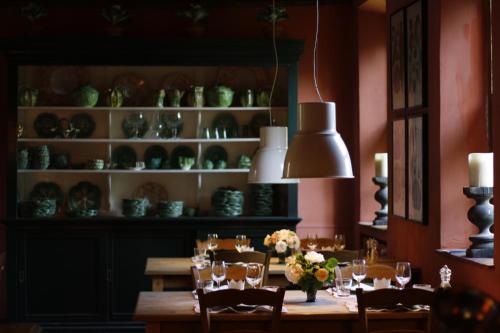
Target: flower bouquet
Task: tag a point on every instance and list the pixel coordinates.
(310, 271)
(282, 241)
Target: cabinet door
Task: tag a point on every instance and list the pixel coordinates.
(128, 257)
(61, 277)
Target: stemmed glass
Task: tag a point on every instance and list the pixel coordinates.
(359, 270)
(254, 274)
(212, 241)
(339, 242)
(312, 243)
(218, 271)
(173, 124)
(241, 243)
(403, 273)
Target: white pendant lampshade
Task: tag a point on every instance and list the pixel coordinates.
(267, 164)
(317, 150)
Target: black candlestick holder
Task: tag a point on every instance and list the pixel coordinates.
(481, 215)
(381, 196)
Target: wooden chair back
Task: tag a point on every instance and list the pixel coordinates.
(233, 256)
(341, 256)
(222, 244)
(389, 298)
(374, 271)
(233, 297)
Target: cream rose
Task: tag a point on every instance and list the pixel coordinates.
(314, 257)
(267, 240)
(293, 273)
(281, 246)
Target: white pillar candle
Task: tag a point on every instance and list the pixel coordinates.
(481, 170)
(381, 165)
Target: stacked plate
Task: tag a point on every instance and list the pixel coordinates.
(40, 157)
(227, 201)
(170, 208)
(262, 200)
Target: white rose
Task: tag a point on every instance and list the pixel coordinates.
(293, 273)
(281, 246)
(294, 242)
(314, 257)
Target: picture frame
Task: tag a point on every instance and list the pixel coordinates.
(399, 168)
(397, 60)
(416, 178)
(414, 55)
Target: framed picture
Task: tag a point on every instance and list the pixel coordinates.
(416, 162)
(414, 54)
(399, 168)
(398, 60)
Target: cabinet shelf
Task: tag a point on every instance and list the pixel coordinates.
(153, 171)
(152, 109)
(102, 140)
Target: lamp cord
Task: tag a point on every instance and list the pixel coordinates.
(276, 64)
(315, 54)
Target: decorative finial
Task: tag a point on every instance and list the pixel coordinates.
(445, 274)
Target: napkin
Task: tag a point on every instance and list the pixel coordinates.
(233, 284)
(195, 295)
(363, 286)
(382, 283)
(247, 249)
(241, 308)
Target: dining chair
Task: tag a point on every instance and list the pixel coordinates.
(233, 298)
(233, 256)
(222, 244)
(392, 298)
(373, 271)
(341, 256)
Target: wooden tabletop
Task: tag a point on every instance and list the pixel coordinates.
(178, 306)
(182, 266)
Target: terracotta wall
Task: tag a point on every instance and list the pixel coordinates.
(456, 127)
(372, 92)
(326, 206)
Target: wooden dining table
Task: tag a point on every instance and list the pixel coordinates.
(175, 312)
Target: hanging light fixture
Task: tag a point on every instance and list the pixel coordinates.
(317, 150)
(268, 161)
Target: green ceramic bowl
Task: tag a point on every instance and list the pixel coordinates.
(220, 96)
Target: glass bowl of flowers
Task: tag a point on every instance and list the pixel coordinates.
(282, 242)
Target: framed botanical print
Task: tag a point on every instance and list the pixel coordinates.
(415, 171)
(414, 55)
(398, 60)
(399, 168)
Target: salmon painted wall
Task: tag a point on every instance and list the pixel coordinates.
(372, 90)
(326, 206)
(456, 128)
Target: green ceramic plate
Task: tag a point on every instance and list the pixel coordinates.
(46, 125)
(84, 196)
(179, 151)
(155, 152)
(259, 120)
(124, 157)
(84, 123)
(48, 190)
(134, 125)
(215, 154)
(227, 121)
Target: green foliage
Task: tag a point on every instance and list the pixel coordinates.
(115, 14)
(33, 11)
(197, 13)
(268, 15)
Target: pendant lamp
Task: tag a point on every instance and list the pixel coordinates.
(268, 161)
(317, 150)
(267, 164)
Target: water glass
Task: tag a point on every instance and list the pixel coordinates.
(212, 241)
(198, 261)
(312, 243)
(206, 285)
(200, 252)
(359, 270)
(403, 273)
(241, 242)
(339, 242)
(218, 271)
(254, 274)
(343, 287)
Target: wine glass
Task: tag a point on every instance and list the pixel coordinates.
(241, 242)
(403, 273)
(218, 271)
(254, 274)
(212, 241)
(339, 242)
(359, 270)
(312, 243)
(173, 124)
